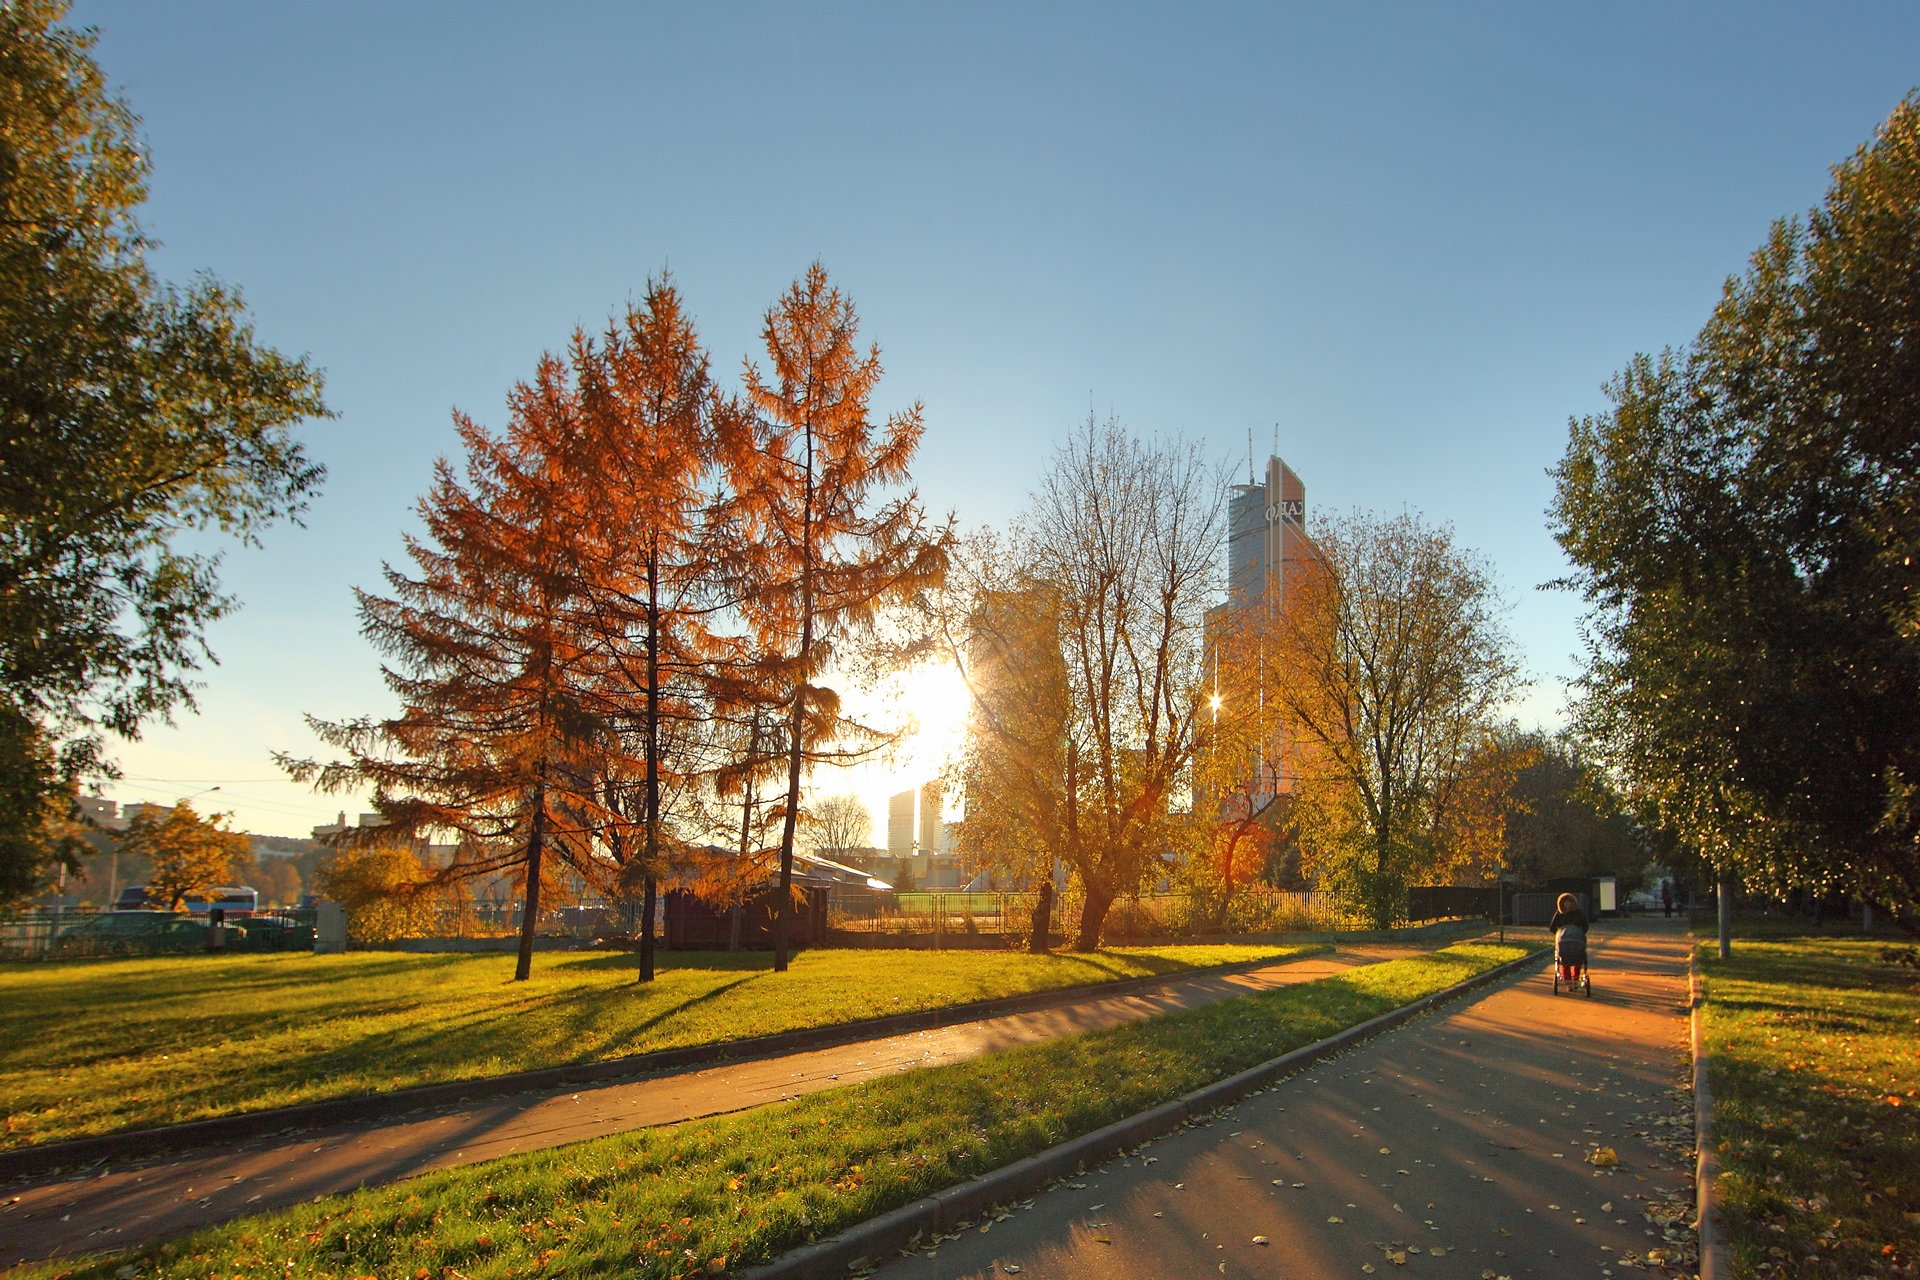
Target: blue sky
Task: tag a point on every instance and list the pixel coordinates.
(1414, 238)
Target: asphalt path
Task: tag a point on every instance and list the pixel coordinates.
(132, 1202)
(1459, 1145)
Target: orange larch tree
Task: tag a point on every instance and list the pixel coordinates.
(818, 553)
(497, 659)
(650, 406)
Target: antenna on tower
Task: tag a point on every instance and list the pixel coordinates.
(1251, 478)
(1276, 439)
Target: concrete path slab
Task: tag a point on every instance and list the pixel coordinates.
(133, 1202)
(1456, 1146)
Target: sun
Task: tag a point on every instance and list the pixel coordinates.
(934, 700)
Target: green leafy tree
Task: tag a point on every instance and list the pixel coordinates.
(1566, 819)
(1744, 524)
(1390, 667)
(187, 853)
(130, 411)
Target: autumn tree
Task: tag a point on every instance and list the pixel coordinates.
(1003, 633)
(837, 823)
(384, 888)
(1239, 788)
(506, 733)
(1743, 524)
(1120, 551)
(1390, 667)
(650, 408)
(186, 852)
(131, 412)
(819, 549)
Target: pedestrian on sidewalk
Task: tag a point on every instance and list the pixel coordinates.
(1569, 930)
(1666, 898)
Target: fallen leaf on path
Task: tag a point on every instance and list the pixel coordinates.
(1603, 1158)
(1398, 1257)
(1261, 1240)
(1438, 1251)
(1367, 1267)
(1607, 1207)
(1011, 1268)
(1334, 1217)
(1386, 1151)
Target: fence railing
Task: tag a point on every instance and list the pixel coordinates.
(959, 916)
(77, 933)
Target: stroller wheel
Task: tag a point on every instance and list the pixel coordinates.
(1586, 981)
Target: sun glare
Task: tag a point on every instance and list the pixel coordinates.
(936, 702)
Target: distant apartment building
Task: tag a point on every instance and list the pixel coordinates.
(101, 812)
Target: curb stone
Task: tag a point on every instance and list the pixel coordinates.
(133, 1144)
(1707, 1225)
(878, 1238)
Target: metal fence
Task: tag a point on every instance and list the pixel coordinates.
(958, 919)
(1442, 902)
(75, 934)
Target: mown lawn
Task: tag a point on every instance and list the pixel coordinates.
(96, 1046)
(1816, 1106)
(712, 1196)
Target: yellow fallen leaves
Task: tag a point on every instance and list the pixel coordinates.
(1603, 1157)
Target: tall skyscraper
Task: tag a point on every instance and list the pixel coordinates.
(933, 831)
(1267, 535)
(1267, 549)
(900, 825)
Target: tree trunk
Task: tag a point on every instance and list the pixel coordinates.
(795, 748)
(530, 896)
(1040, 941)
(650, 895)
(1093, 916)
(652, 815)
(734, 913)
(1726, 916)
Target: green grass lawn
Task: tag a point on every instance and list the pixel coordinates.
(714, 1195)
(1816, 1106)
(96, 1046)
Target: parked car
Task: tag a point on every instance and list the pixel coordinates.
(274, 933)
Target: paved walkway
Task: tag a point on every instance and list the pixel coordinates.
(1454, 1146)
(132, 1202)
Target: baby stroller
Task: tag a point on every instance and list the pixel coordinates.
(1570, 960)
